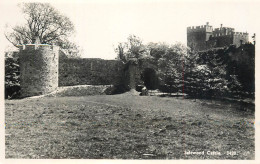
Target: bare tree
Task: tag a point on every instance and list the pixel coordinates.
(42, 21)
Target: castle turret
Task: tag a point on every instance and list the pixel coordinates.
(38, 68)
(240, 38)
(204, 37)
(197, 36)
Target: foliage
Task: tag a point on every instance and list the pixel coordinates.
(120, 50)
(116, 89)
(169, 60)
(71, 49)
(215, 74)
(242, 64)
(170, 66)
(133, 48)
(45, 23)
(214, 83)
(12, 77)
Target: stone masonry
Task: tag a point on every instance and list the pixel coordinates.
(38, 69)
(204, 37)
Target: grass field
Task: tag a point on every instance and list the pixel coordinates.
(127, 126)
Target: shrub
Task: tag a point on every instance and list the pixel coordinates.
(12, 78)
(116, 89)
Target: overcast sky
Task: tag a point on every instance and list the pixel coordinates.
(100, 25)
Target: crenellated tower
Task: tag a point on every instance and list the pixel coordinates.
(198, 36)
(38, 69)
(204, 37)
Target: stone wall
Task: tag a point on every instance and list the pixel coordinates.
(238, 37)
(201, 38)
(220, 41)
(196, 40)
(135, 70)
(87, 71)
(44, 68)
(38, 69)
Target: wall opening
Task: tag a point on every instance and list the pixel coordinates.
(149, 78)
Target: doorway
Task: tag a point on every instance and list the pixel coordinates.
(149, 78)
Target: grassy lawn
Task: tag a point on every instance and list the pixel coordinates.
(127, 127)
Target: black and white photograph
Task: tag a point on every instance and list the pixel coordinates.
(129, 80)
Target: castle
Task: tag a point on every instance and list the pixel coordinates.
(44, 68)
(38, 69)
(204, 37)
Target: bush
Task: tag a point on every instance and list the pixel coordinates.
(12, 92)
(116, 89)
(12, 78)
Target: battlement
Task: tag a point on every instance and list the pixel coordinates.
(203, 37)
(223, 31)
(217, 34)
(39, 69)
(25, 47)
(224, 28)
(201, 28)
(241, 33)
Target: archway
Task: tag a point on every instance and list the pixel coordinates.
(149, 78)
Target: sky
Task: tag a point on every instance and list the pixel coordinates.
(101, 25)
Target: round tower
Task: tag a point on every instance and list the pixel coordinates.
(38, 69)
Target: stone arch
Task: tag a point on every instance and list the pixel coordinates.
(150, 79)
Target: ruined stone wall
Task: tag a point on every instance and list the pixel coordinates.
(134, 72)
(87, 71)
(131, 74)
(38, 69)
(102, 72)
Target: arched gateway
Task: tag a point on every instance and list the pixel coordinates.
(149, 78)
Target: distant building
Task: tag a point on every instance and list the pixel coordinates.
(204, 37)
